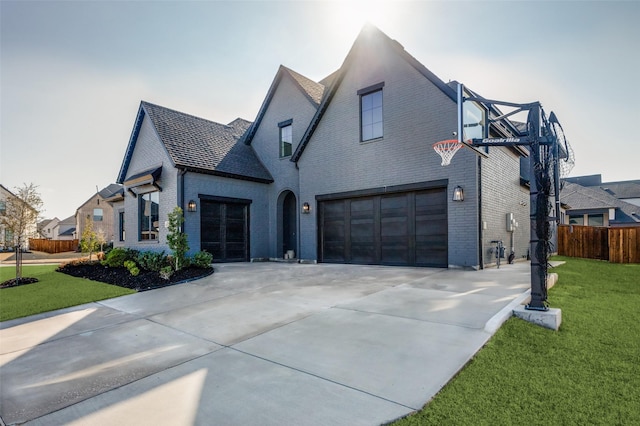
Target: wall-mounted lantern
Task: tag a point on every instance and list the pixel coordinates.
(191, 207)
(306, 208)
(458, 194)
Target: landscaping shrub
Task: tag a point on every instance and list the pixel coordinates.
(166, 272)
(202, 259)
(116, 257)
(151, 260)
(132, 267)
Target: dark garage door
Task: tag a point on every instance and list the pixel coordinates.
(393, 229)
(224, 230)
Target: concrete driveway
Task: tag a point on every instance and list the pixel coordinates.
(259, 343)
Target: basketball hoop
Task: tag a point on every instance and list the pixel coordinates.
(447, 149)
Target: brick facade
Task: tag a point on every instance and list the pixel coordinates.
(418, 110)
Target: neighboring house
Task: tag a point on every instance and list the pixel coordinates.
(46, 227)
(627, 191)
(7, 239)
(341, 170)
(98, 210)
(595, 206)
(65, 229)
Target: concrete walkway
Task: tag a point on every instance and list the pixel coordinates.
(261, 343)
(40, 258)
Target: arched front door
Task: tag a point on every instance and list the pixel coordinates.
(289, 224)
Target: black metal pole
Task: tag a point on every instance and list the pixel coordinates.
(538, 264)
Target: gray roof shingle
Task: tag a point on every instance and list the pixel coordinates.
(110, 190)
(579, 197)
(624, 189)
(312, 89)
(206, 146)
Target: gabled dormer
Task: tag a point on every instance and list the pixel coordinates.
(291, 101)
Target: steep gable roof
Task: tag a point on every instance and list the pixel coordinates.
(200, 145)
(367, 34)
(104, 193)
(310, 89)
(579, 197)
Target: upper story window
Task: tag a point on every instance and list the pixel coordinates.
(3, 207)
(149, 215)
(371, 112)
(286, 138)
(97, 215)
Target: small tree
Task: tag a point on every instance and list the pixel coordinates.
(89, 241)
(176, 239)
(101, 238)
(20, 218)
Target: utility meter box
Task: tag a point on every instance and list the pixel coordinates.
(511, 222)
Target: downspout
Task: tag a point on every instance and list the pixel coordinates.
(180, 200)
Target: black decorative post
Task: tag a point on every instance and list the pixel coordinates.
(538, 202)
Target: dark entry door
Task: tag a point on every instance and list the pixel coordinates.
(224, 230)
(407, 228)
(289, 224)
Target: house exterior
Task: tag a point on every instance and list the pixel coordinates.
(46, 227)
(65, 229)
(595, 206)
(626, 190)
(99, 211)
(341, 170)
(7, 239)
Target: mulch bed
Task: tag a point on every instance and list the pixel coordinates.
(15, 282)
(146, 280)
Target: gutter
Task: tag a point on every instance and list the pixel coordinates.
(181, 173)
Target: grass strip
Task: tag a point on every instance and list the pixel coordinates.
(588, 372)
(54, 290)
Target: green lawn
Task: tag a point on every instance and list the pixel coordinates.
(586, 373)
(54, 291)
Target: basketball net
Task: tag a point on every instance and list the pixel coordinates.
(447, 149)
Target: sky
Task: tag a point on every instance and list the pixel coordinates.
(73, 73)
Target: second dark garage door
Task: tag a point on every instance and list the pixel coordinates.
(389, 229)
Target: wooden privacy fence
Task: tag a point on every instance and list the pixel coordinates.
(617, 245)
(53, 246)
